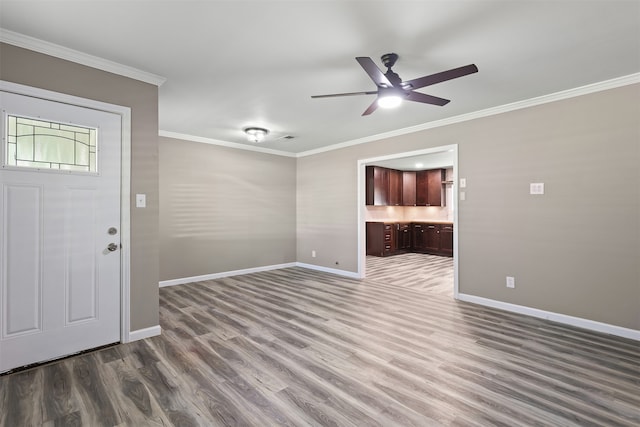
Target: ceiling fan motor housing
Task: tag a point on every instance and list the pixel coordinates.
(389, 59)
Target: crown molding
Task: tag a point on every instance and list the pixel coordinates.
(193, 138)
(557, 96)
(41, 46)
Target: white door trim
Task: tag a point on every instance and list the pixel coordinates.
(362, 238)
(125, 183)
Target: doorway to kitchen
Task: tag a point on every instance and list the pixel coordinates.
(415, 240)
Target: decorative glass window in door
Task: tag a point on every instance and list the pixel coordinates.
(40, 144)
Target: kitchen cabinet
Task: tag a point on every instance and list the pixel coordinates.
(433, 238)
(377, 186)
(403, 237)
(429, 187)
(408, 188)
(380, 238)
(389, 238)
(395, 188)
(446, 239)
(391, 187)
(418, 237)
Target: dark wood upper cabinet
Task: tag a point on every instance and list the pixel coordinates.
(408, 188)
(390, 187)
(421, 188)
(435, 178)
(377, 186)
(429, 187)
(395, 187)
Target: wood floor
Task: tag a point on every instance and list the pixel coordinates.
(296, 347)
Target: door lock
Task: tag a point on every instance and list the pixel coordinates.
(112, 247)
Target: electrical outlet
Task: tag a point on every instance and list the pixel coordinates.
(313, 254)
(511, 282)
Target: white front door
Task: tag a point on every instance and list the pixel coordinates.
(59, 229)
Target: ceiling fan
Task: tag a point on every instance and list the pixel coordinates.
(392, 90)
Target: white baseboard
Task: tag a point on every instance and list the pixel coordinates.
(141, 334)
(554, 317)
(212, 276)
(345, 273)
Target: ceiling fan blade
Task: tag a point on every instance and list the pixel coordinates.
(371, 92)
(441, 77)
(373, 71)
(372, 108)
(427, 99)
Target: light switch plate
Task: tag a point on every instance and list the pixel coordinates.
(463, 182)
(141, 200)
(536, 188)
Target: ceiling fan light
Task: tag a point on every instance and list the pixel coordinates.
(256, 134)
(389, 101)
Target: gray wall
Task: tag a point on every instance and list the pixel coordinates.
(34, 69)
(223, 209)
(574, 250)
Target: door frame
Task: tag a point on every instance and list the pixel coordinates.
(125, 183)
(362, 236)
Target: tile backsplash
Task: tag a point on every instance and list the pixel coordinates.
(408, 213)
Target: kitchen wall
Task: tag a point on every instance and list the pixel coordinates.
(224, 209)
(30, 68)
(573, 250)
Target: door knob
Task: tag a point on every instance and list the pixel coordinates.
(112, 247)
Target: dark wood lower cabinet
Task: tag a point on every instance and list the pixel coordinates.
(446, 239)
(380, 238)
(384, 239)
(432, 238)
(403, 237)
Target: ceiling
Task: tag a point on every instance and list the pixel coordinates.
(233, 64)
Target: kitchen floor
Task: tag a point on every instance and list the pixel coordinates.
(423, 272)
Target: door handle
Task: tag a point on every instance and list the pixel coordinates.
(112, 247)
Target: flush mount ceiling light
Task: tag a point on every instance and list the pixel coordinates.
(255, 134)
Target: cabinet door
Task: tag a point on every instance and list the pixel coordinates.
(432, 238)
(404, 237)
(408, 188)
(429, 187)
(375, 239)
(418, 237)
(395, 187)
(377, 186)
(421, 188)
(434, 187)
(446, 240)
